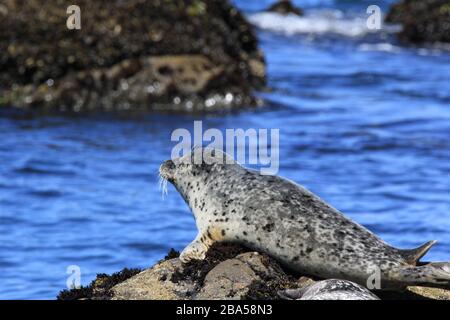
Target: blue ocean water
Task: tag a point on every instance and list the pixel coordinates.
(364, 123)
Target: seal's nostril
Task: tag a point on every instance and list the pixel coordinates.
(169, 164)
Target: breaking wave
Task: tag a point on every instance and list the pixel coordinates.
(318, 22)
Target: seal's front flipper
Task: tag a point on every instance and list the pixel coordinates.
(196, 250)
(291, 294)
(413, 256)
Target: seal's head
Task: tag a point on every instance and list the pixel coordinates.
(196, 166)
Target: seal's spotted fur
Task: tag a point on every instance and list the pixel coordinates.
(333, 289)
(283, 219)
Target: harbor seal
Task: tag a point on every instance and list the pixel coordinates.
(332, 289)
(286, 221)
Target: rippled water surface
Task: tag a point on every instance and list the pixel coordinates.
(364, 123)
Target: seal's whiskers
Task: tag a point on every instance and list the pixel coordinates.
(163, 186)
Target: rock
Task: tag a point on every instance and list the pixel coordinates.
(416, 293)
(185, 56)
(229, 272)
(231, 279)
(248, 275)
(100, 288)
(285, 7)
(431, 293)
(155, 284)
(422, 20)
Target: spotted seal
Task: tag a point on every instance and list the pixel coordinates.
(286, 221)
(332, 289)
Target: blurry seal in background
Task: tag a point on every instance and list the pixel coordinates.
(333, 289)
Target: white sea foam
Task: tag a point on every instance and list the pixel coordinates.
(383, 47)
(316, 22)
(430, 50)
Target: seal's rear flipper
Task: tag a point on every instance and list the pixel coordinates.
(433, 274)
(413, 256)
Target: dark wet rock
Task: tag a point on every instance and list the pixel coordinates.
(197, 270)
(285, 7)
(100, 288)
(182, 55)
(229, 272)
(248, 276)
(172, 254)
(423, 21)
